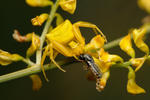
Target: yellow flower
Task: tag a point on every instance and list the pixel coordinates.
(106, 60)
(39, 3)
(144, 4)
(138, 35)
(126, 45)
(37, 83)
(104, 66)
(95, 44)
(39, 20)
(59, 19)
(27, 38)
(138, 62)
(34, 45)
(68, 5)
(132, 87)
(7, 58)
(105, 56)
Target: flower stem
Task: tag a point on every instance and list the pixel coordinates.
(45, 31)
(32, 70)
(122, 65)
(112, 44)
(116, 42)
(28, 61)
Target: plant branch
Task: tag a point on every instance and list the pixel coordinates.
(116, 42)
(36, 67)
(32, 70)
(45, 31)
(124, 65)
(112, 44)
(28, 61)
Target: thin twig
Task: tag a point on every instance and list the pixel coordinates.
(28, 61)
(32, 70)
(116, 42)
(112, 44)
(45, 31)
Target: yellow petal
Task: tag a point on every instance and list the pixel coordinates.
(97, 41)
(95, 44)
(101, 83)
(68, 5)
(39, 20)
(105, 56)
(114, 58)
(138, 62)
(50, 29)
(138, 35)
(7, 58)
(39, 3)
(132, 87)
(37, 83)
(106, 60)
(126, 45)
(144, 4)
(59, 19)
(104, 66)
(34, 45)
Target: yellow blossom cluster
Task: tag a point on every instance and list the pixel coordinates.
(126, 46)
(66, 39)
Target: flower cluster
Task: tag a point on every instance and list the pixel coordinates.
(126, 46)
(7, 58)
(66, 39)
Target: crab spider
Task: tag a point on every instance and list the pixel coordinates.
(67, 40)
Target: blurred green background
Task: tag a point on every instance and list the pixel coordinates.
(113, 17)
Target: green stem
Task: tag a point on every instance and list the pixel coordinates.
(45, 31)
(36, 69)
(28, 61)
(116, 42)
(112, 44)
(122, 65)
(32, 70)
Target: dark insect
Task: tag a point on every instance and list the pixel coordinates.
(91, 65)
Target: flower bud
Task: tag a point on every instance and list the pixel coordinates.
(59, 19)
(68, 5)
(34, 45)
(138, 35)
(95, 44)
(132, 87)
(7, 58)
(126, 45)
(39, 20)
(138, 62)
(39, 3)
(37, 83)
